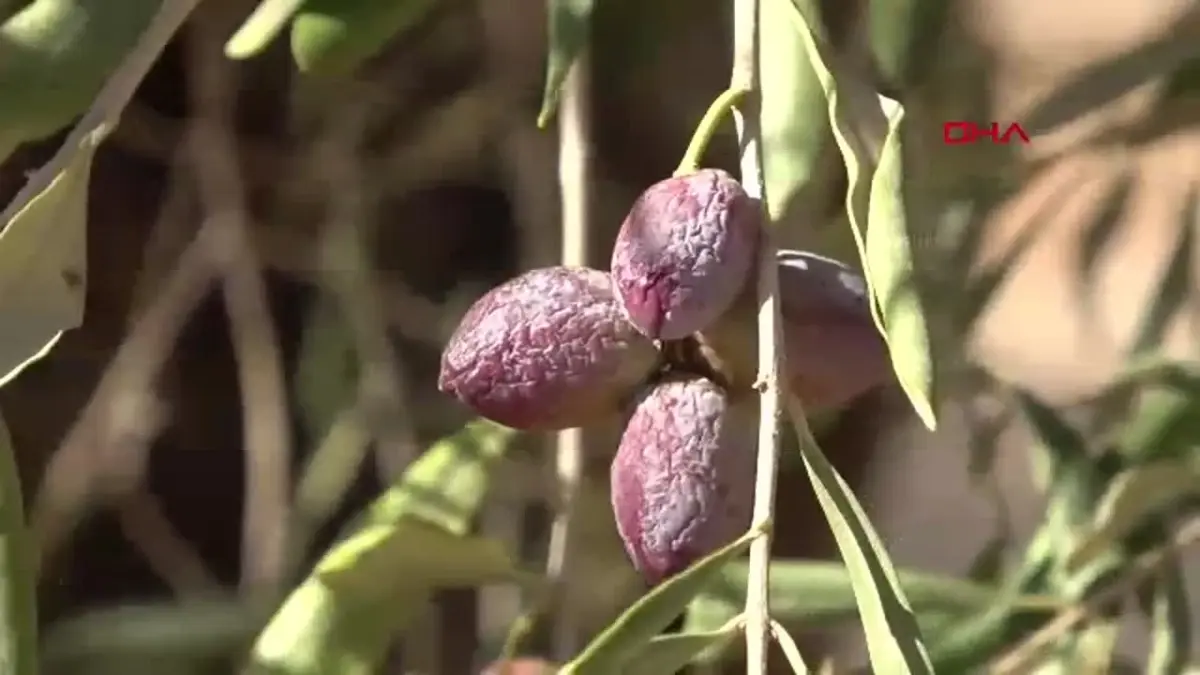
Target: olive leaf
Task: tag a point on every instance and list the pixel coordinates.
(628, 635)
(43, 262)
(410, 542)
(569, 26)
(875, 209)
(334, 37)
(259, 29)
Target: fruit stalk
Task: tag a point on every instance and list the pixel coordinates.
(745, 77)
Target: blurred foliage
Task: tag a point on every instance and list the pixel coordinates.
(1122, 490)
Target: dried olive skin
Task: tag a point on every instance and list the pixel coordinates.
(547, 350)
(833, 350)
(684, 252)
(683, 476)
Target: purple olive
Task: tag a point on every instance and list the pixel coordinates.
(549, 349)
(683, 476)
(684, 253)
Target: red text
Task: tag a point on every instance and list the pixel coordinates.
(963, 133)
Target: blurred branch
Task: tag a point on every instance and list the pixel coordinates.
(171, 557)
(266, 426)
(1021, 657)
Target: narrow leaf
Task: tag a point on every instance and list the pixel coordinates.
(569, 25)
(670, 653)
(639, 624)
(888, 261)
(856, 113)
(1133, 496)
(893, 637)
(18, 585)
(263, 25)
(1171, 623)
(811, 592)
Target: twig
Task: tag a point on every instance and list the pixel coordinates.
(114, 430)
(68, 486)
(770, 385)
(171, 556)
(266, 427)
(573, 179)
(790, 650)
(1021, 657)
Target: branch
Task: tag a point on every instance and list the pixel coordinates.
(771, 387)
(573, 178)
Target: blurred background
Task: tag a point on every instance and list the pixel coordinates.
(154, 440)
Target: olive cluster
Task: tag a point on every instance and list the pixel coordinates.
(666, 339)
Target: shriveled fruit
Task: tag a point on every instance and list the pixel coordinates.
(683, 476)
(684, 252)
(834, 351)
(549, 349)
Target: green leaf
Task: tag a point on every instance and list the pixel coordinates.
(670, 653)
(569, 26)
(263, 25)
(1133, 496)
(447, 483)
(905, 36)
(639, 624)
(43, 264)
(893, 637)
(887, 255)
(18, 583)
(150, 634)
(1165, 422)
(55, 57)
(793, 117)
(810, 592)
(333, 37)
(875, 203)
(410, 542)
(1171, 623)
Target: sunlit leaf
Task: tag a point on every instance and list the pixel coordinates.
(888, 261)
(334, 37)
(637, 626)
(43, 265)
(263, 25)
(856, 113)
(794, 119)
(371, 585)
(1133, 496)
(447, 483)
(569, 27)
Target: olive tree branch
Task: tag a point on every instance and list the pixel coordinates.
(770, 386)
(573, 178)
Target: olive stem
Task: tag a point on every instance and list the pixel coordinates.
(702, 136)
(574, 169)
(772, 388)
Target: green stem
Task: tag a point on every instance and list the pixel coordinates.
(713, 117)
(18, 599)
